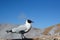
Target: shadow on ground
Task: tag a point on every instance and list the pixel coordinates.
(23, 39)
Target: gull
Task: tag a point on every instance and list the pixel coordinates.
(22, 29)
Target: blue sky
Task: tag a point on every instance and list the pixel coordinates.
(44, 13)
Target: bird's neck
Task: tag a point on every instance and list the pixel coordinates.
(27, 23)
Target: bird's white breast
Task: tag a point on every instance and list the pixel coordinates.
(28, 26)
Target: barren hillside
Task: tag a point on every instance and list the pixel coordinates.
(33, 33)
(52, 30)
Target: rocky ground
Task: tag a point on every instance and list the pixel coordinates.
(50, 33)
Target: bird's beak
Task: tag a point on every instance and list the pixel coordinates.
(32, 22)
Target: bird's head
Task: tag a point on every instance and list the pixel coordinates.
(29, 21)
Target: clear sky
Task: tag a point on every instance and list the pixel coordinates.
(44, 13)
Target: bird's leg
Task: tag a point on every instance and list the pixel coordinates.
(22, 36)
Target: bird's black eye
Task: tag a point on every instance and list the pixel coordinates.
(29, 21)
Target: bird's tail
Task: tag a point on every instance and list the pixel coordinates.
(9, 31)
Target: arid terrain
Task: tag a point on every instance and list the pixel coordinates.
(50, 33)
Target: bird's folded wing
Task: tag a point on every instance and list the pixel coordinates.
(21, 27)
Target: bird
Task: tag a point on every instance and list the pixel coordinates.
(22, 29)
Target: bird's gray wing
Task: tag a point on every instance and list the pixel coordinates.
(19, 28)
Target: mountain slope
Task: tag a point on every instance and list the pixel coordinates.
(34, 32)
(46, 31)
(52, 30)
